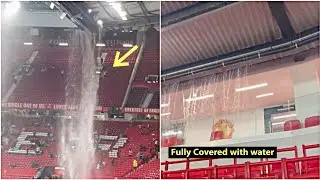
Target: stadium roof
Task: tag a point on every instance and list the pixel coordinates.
(85, 15)
(138, 13)
(197, 32)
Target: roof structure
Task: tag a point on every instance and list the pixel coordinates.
(196, 33)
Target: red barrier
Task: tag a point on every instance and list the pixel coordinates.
(306, 147)
(303, 167)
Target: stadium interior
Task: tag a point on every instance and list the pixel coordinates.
(241, 74)
(103, 89)
(68, 111)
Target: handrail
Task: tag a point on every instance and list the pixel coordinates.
(265, 164)
(283, 162)
(306, 147)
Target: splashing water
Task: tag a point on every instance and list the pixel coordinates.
(76, 135)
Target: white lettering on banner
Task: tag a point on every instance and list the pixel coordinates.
(99, 108)
(74, 107)
(27, 105)
(57, 41)
(59, 106)
(141, 110)
(42, 106)
(118, 42)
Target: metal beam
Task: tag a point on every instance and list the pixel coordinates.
(278, 11)
(74, 9)
(143, 8)
(135, 23)
(136, 66)
(70, 16)
(192, 11)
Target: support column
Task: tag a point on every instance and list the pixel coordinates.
(306, 90)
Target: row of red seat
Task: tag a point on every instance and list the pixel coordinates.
(147, 171)
(288, 126)
(136, 97)
(171, 141)
(296, 124)
(297, 167)
(48, 87)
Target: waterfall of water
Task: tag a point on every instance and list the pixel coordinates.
(208, 98)
(76, 135)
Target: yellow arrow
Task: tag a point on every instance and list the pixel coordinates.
(119, 62)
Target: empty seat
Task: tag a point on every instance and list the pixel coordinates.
(164, 142)
(312, 121)
(172, 141)
(292, 125)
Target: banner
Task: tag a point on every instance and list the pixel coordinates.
(75, 107)
(40, 106)
(141, 110)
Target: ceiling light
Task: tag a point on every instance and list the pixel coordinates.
(285, 116)
(89, 11)
(100, 44)
(165, 114)
(127, 45)
(63, 44)
(199, 98)
(117, 7)
(28, 43)
(122, 13)
(251, 87)
(164, 105)
(11, 8)
(264, 95)
(99, 22)
(51, 5)
(63, 15)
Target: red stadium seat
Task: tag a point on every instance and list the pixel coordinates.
(312, 121)
(164, 142)
(172, 141)
(179, 141)
(292, 125)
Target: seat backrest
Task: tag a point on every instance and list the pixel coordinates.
(312, 121)
(292, 125)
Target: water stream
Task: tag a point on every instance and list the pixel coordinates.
(76, 141)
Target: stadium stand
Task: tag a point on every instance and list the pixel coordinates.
(34, 130)
(136, 97)
(50, 64)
